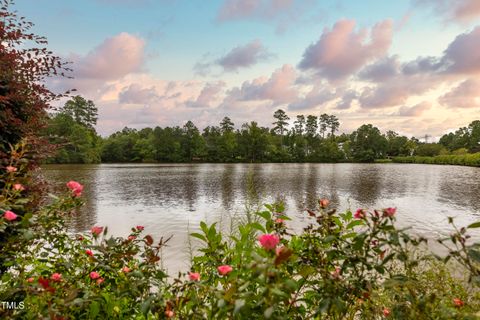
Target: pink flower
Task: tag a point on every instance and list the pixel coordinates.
(225, 269)
(126, 269)
(11, 169)
(389, 212)
(324, 203)
(458, 302)
(94, 275)
(169, 314)
(96, 231)
(268, 241)
(57, 277)
(100, 280)
(9, 215)
(130, 238)
(359, 214)
(76, 188)
(89, 252)
(30, 280)
(279, 221)
(194, 276)
(18, 187)
(386, 312)
(140, 228)
(336, 273)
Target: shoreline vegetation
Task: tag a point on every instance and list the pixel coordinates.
(310, 139)
(472, 160)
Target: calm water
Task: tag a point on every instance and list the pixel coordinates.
(173, 199)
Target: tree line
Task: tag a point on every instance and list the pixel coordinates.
(310, 139)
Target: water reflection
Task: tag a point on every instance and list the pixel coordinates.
(173, 199)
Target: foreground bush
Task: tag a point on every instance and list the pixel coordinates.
(470, 159)
(342, 266)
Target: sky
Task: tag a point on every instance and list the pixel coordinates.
(412, 66)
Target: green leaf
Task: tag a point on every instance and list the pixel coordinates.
(94, 309)
(264, 214)
(474, 254)
(198, 236)
(258, 226)
(474, 225)
(354, 223)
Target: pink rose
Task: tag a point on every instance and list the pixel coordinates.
(268, 241)
(94, 275)
(279, 221)
(140, 228)
(11, 169)
(225, 269)
(131, 238)
(194, 276)
(324, 203)
(100, 280)
(359, 214)
(18, 187)
(126, 269)
(389, 212)
(30, 280)
(96, 231)
(75, 187)
(9, 215)
(386, 312)
(169, 314)
(458, 302)
(337, 272)
(89, 252)
(57, 277)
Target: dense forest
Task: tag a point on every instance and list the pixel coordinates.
(310, 139)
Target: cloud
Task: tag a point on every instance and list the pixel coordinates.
(458, 10)
(465, 95)
(244, 56)
(135, 94)
(245, 9)
(347, 100)
(342, 51)
(279, 88)
(415, 111)
(114, 58)
(462, 55)
(397, 90)
(381, 70)
(315, 98)
(207, 96)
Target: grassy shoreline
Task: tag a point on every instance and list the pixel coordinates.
(471, 159)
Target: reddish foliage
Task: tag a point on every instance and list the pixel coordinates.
(25, 64)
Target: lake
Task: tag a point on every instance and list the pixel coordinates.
(172, 199)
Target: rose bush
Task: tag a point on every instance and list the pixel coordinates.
(342, 266)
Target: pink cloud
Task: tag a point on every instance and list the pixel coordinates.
(135, 94)
(114, 58)
(465, 95)
(207, 96)
(381, 70)
(456, 10)
(318, 96)
(415, 111)
(244, 56)
(342, 51)
(462, 55)
(278, 88)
